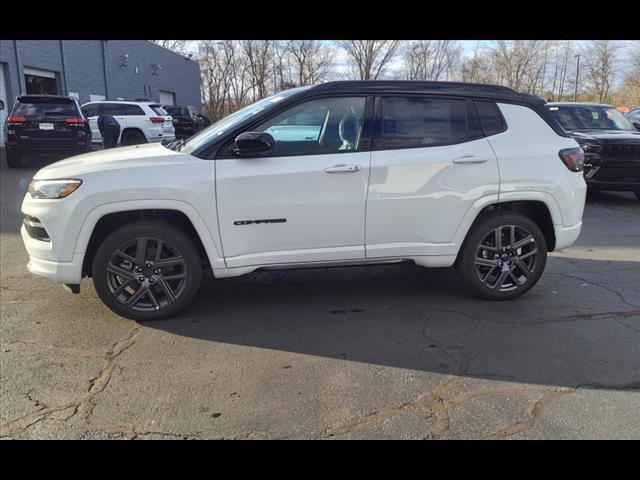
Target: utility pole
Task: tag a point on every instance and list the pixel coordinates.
(575, 92)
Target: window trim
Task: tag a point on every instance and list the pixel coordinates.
(365, 137)
(378, 141)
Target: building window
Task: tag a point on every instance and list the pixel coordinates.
(40, 81)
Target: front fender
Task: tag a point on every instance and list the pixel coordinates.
(209, 239)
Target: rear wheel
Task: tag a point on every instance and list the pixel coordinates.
(14, 158)
(133, 138)
(147, 271)
(503, 256)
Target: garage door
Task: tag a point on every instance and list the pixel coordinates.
(5, 101)
(167, 98)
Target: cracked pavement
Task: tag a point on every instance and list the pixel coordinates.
(368, 352)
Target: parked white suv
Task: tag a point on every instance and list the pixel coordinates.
(343, 173)
(140, 122)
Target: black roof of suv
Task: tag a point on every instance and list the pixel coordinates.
(476, 90)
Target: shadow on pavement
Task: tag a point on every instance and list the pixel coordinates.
(567, 331)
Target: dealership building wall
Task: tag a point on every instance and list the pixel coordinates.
(97, 70)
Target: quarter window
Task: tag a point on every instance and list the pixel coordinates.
(422, 122)
(491, 118)
(328, 125)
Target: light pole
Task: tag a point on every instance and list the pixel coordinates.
(575, 91)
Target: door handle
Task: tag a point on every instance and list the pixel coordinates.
(469, 159)
(343, 169)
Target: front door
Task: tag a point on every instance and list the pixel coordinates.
(305, 201)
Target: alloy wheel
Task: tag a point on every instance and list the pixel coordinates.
(506, 258)
(146, 274)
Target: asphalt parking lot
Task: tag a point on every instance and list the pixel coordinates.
(367, 352)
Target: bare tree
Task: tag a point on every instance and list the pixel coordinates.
(259, 54)
(178, 46)
(477, 68)
(599, 60)
(370, 58)
(430, 59)
(515, 62)
(312, 61)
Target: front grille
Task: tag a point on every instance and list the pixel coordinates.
(620, 175)
(620, 151)
(35, 228)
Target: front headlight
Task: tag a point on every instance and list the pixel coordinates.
(52, 189)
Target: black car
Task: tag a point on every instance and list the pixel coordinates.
(45, 124)
(186, 119)
(610, 141)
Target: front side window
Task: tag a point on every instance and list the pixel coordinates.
(413, 122)
(327, 125)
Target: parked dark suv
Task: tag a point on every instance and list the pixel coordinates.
(186, 119)
(610, 141)
(45, 123)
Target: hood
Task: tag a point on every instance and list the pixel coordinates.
(607, 135)
(111, 159)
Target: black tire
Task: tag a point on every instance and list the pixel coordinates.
(133, 137)
(522, 266)
(114, 289)
(14, 158)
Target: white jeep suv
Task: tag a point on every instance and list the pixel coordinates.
(343, 173)
(140, 122)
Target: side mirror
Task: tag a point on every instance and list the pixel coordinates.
(250, 144)
(1, 105)
(637, 124)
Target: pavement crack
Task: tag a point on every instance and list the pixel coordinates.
(609, 289)
(84, 405)
(536, 412)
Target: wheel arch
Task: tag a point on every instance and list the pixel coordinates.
(138, 130)
(101, 223)
(536, 210)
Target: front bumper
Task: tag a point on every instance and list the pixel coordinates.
(63, 272)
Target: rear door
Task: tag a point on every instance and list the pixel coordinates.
(429, 165)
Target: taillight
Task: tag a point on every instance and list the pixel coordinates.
(16, 120)
(157, 120)
(75, 121)
(573, 158)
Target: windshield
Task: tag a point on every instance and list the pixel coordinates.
(177, 111)
(590, 117)
(224, 125)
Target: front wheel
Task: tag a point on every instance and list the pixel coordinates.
(147, 271)
(503, 256)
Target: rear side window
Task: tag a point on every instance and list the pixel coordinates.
(122, 109)
(92, 110)
(421, 122)
(45, 107)
(491, 118)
